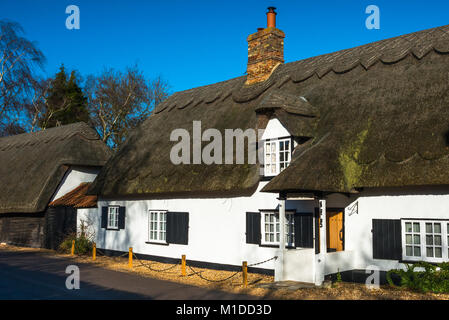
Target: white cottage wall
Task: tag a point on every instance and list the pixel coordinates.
(410, 203)
(216, 234)
(73, 178)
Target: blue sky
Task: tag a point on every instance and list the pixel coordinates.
(194, 43)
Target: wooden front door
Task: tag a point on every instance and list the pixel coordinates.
(335, 231)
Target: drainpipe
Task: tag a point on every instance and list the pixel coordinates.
(279, 272)
(321, 257)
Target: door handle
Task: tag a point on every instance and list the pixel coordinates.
(340, 235)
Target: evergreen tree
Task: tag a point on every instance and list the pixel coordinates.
(65, 101)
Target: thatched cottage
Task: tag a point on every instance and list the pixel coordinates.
(354, 172)
(37, 168)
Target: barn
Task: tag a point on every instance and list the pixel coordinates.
(37, 168)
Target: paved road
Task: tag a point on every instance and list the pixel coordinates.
(35, 275)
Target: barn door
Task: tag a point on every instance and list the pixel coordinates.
(335, 231)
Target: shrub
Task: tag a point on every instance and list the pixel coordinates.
(434, 277)
(83, 245)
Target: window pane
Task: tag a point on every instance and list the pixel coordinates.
(429, 240)
(417, 251)
(438, 252)
(429, 252)
(408, 239)
(416, 239)
(437, 228)
(415, 227)
(428, 227)
(408, 251)
(437, 240)
(408, 227)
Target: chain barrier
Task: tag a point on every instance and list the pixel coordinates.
(99, 252)
(156, 270)
(198, 273)
(194, 272)
(256, 264)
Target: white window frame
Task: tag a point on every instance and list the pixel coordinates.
(113, 216)
(423, 240)
(289, 223)
(268, 147)
(155, 226)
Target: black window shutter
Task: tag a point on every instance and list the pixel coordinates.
(253, 227)
(303, 230)
(104, 217)
(121, 217)
(178, 227)
(387, 243)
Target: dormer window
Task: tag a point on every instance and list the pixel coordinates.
(277, 155)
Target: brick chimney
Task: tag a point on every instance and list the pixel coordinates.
(265, 50)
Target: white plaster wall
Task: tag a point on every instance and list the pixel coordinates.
(299, 265)
(380, 204)
(73, 178)
(216, 228)
(274, 130)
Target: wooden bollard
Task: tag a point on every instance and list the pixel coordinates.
(73, 248)
(245, 273)
(130, 259)
(94, 252)
(183, 265)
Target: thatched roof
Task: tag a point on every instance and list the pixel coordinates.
(33, 164)
(376, 115)
(76, 198)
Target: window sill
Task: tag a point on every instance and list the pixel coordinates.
(274, 246)
(411, 261)
(113, 229)
(158, 243)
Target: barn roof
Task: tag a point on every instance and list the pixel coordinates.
(76, 198)
(376, 115)
(33, 164)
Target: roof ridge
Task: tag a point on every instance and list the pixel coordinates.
(60, 133)
(390, 50)
(403, 36)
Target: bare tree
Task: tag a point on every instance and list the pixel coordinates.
(19, 58)
(37, 105)
(119, 101)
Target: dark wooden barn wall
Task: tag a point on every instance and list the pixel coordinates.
(45, 229)
(25, 229)
(59, 222)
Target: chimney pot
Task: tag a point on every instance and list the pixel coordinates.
(271, 17)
